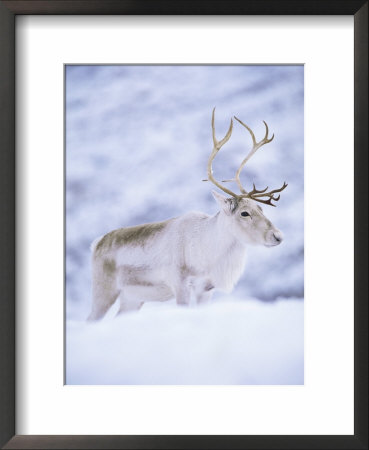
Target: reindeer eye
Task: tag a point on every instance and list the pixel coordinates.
(245, 214)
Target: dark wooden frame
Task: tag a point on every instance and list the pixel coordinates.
(8, 11)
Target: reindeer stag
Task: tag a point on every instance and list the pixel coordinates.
(192, 254)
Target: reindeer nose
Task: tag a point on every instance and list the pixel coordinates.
(278, 236)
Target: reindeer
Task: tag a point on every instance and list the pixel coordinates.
(190, 255)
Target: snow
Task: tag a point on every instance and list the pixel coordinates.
(137, 143)
(228, 342)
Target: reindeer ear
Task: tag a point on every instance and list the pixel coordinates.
(224, 202)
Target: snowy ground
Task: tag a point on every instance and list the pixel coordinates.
(228, 342)
(137, 143)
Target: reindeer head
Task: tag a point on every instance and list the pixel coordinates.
(243, 215)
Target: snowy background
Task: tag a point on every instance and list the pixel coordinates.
(137, 143)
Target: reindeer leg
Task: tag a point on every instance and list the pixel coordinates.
(127, 306)
(204, 297)
(101, 305)
(104, 288)
(183, 294)
(204, 291)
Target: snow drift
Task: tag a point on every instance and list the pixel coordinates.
(227, 342)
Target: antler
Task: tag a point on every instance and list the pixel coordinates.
(255, 194)
(217, 146)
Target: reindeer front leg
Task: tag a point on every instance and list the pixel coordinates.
(182, 292)
(203, 291)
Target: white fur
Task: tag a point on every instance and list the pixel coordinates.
(192, 255)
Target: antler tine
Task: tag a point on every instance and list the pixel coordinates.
(259, 194)
(266, 135)
(266, 202)
(217, 146)
(255, 191)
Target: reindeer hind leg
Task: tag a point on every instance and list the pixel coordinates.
(104, 288)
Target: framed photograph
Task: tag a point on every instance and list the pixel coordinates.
(184, 241)
(201, 259)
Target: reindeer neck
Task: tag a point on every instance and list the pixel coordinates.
(224, 239)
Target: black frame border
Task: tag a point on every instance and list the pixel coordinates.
(8, 11)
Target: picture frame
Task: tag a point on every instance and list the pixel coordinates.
(8, 11)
